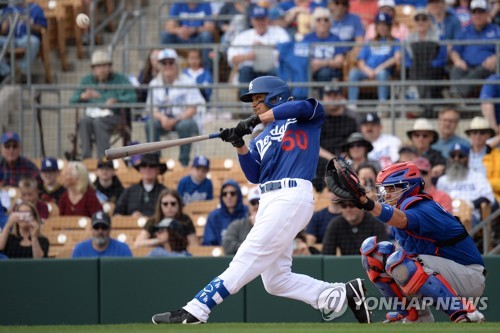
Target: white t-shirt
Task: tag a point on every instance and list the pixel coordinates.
(385, 150)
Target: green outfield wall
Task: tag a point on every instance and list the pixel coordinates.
(91, 291)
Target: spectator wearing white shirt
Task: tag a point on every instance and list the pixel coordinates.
(479, 132)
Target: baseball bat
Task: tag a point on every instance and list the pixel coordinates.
(149, 147)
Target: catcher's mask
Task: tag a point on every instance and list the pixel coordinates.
(276, 89)
(397, 182)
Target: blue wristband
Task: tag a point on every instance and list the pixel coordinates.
(386, 213)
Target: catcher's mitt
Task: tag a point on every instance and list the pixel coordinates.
(343, 181)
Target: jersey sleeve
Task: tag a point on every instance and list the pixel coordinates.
(307, 110)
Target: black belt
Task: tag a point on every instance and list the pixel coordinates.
(277, 185)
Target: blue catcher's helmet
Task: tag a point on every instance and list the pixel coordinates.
(404, 176)
(276, 89)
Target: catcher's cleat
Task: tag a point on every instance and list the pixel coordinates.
(175, 317)
(471, 317)
(421, 316)
(356, 299)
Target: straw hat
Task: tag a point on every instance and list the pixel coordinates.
(423, 124)
(100, 57)
(481, 124)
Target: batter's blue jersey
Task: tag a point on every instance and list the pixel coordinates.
(429, 224)
(289, 146)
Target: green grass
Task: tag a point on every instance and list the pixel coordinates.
(273, 328)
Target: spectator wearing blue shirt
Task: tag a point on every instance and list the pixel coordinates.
(187, 25)
(101, 244)
(474, 61)
(448, 119)
(376, 60)
(326, 60)
(37, 22)
(199, 74)
(196, 186)
(345, 25)
(448, 24)
(490, 110)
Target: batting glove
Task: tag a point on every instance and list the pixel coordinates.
(246, 126)
(229, 135)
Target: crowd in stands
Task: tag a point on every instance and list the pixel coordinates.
(275, 38)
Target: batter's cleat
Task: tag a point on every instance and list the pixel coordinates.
(356, 299)
(175, 317)
(471, 317)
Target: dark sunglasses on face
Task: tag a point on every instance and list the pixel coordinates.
(481, 132)
(322, 19)
(254, 202)
(11, 145)
(100, 226)
(356, 144)
(457, 155)
(169, 203)
(424, 172)
(478, 11)
(347, 205)
(167, 62)
(229, 193)
(421, 18)
(344, 3)
(423, 135)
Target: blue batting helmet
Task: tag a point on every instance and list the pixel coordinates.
(276, 89)
(404, 176)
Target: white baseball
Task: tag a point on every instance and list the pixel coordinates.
(82, 21)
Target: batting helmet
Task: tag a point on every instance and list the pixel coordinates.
(276, 89)
(405, 176)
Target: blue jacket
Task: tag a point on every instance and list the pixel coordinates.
(220, 218)
(36, 14)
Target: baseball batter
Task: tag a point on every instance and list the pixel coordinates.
(437, 258)
(282, 159)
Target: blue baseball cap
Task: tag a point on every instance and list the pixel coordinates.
(49, 164)
(383, 18)
(276, 13)
(10, 136)
(461, 148)
(201, 161)
(259, 12)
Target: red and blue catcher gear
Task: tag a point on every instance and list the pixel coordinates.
(404, 176)
(276, 89)
(411, 277)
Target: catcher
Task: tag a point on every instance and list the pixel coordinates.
(436, 258)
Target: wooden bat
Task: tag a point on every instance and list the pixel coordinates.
(149, 147)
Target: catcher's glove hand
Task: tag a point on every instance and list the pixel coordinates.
(344, 182)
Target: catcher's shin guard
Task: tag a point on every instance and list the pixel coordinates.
(413, 280)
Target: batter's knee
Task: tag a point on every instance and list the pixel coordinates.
(275, 284)
(373, 258)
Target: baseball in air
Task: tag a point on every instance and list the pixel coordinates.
(82, 21)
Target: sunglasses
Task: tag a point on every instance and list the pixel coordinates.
(322, 19)
(424, 172)
(229, 193)
(423, 135)
(457, 155)
(344, 3)
(481, 132)
(356, 144)
(169, 203)
(167, 62)
(254, 202)
(421, 18)
(11, 145)
(100, 226)
(347, 204)
(478, 11)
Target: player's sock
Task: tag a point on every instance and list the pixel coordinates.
(206, 299)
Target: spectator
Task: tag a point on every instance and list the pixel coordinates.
(29, 13)
(13, 165)
(425, 56)
(101, 244)
(238, 230)
(490, 110)
(315, 230)
(150, 70)
(198, 73)
(301, 248)
(407, 153)
(460, 182)
(441, 197)
(100, 121)
(448, 24)
(140, 199)
(479, 133)
(376, 60)
(357, 149)
(365, 9)
(447, 125)
(171, 240)
(495, 12)
(187, 24)
(326, 60)
(230, 28)
(80, 198)
(4, 200)
(367, 174)
(345, 25)
(422, 136)
(294, 65)
(196, 186)
(26, 240)
(168, 206)
(28, 187)
(50, 189)
(231, 209)
(399, 30)
(173, 108)
(462, 12)
(248, 53)
(472, 62)
(491, 162)
(385, 146)
(298, 17)
(346, 232)
(108, 186)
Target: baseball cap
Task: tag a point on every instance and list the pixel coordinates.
(10, 136)
(383, 18)
(386, 3)
(100, 57)
(461, 148)
(101, 217)
(104, 163)
(167, 54)
(421, 12)
(49, 164)
(370, 118)
(276, 13)
(201, 161)
(479, 4)
(422, 164)
(168, 223)
(258, 12)
(254, 193)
